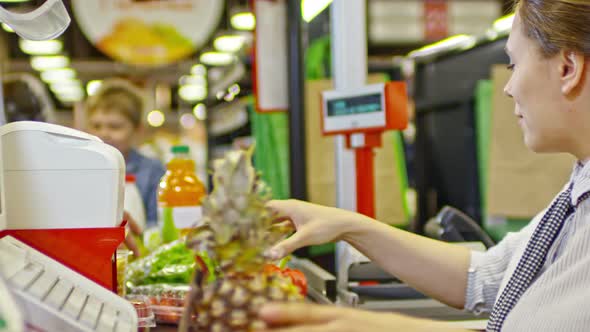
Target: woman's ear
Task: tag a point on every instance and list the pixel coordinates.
(572, 67)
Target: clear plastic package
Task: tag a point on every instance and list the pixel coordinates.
(145, 313)
(166, 301)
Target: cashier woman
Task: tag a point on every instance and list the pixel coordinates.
(114, 115)
(535, 280)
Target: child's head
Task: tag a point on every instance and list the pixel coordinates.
(115, 113)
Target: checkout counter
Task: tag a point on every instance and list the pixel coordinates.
(55, 292)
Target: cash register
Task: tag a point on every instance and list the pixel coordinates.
(60, 209)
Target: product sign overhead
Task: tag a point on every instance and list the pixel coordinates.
(148, 33)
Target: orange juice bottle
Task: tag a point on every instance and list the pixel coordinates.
(179, 195)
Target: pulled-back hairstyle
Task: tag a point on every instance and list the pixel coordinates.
(120, 96)
(557, 24)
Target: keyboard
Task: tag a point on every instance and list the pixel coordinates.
(56, 298)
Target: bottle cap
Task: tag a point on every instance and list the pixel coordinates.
(130, 177)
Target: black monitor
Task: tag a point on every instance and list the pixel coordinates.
(446, 167)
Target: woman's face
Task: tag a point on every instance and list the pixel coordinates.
(535, 86)
(113, 128)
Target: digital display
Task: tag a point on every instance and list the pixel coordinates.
(355, 105)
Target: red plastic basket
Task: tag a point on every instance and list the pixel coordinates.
(89, 251)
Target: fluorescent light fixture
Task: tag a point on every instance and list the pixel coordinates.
(7, 27)
(42, 47)
(200, 112)
(217, 58)
(192, 92)
(461, 42)
(311, 8)
(199, 69)
(93, 86)
(229, 97)
(492, 34)
(156, 118)
(192, 80)
(503, 25)
(229, 43)
(67, 88)
(234, 89)
(187, 121)
(243, 20)
(45, 62)
(72, 82)
(70, 96)
(55, 75)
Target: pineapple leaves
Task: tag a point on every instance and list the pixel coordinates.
(237, 226)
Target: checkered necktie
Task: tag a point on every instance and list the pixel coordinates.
(533, 258)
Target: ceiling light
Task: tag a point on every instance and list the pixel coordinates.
(70, 96)
(192, 92)
(504, 24)
(156, 118)
(187, 121)
(229, 43)
(93, 86)
(200, 112)
(7, 27)
(71, 88)
(217, 58)
(192, 80)
(234, 89)
(229, 97)
(311, 8)
(55, 75)
(43, 47)
(199, 69)
(492, 34)
(45, 62)
(461, 42)
(243, 20)
(72, 82)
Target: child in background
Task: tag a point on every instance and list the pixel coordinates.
(114, 114)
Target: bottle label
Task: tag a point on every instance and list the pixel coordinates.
(184, 216)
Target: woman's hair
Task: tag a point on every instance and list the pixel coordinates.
(557, 24)
(120, 96)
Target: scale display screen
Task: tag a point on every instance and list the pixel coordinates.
(370, 103)
(370, 108)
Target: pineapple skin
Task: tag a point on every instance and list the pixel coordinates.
(231, 304)
(236, 231)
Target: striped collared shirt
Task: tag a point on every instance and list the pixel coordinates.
(559, 298)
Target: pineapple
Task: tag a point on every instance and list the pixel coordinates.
(236, 230)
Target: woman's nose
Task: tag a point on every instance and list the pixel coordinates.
(507, 90)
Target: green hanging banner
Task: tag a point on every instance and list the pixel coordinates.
(271, 134)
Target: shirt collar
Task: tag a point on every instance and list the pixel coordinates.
(580, 180)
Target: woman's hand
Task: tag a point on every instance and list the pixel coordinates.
(304, 317)
(315, 224)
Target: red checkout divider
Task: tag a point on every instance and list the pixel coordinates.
(88, 251)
